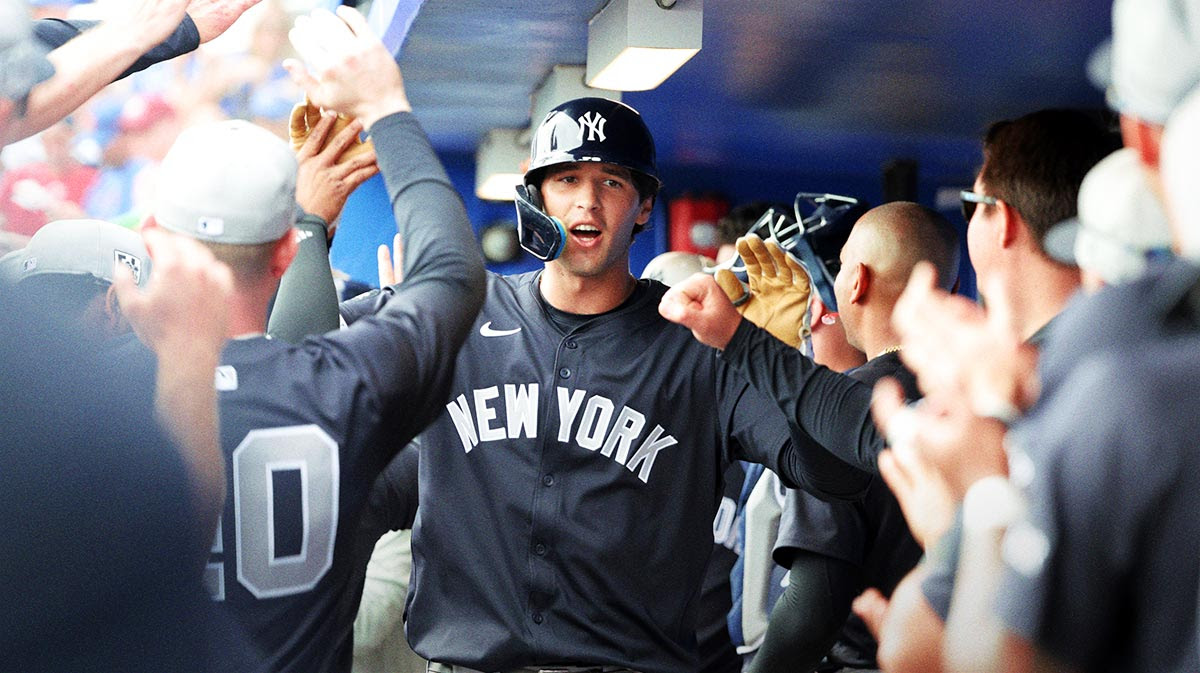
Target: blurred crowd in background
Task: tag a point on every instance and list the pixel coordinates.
(100, 161)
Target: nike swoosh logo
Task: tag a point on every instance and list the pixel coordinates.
(487, 331)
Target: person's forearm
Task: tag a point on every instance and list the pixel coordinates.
(975, 635)
(186, 38)
(307, 301)
(808, 616)
(83, 66)
(834, 440)
(186, 401)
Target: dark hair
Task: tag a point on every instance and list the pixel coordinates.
(68, 294)
(647, 188)
(1036, 162)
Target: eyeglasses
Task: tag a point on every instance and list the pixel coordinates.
(970, 199)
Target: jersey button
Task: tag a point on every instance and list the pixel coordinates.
(548, 480)
(571, 343)
(539, 549)
(564, 373)
(537, 618)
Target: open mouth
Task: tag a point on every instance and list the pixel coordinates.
(585, 232)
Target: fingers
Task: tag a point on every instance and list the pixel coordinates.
(887, 400)
(344, 138)
(315, 143)
(754, 254)
(355, 21)
(383, 258)
(895, 475)
(330, 32)
(800, 278)
(305, 37)
(361, 175)
(906, 316)
(779, 266)
(871, 607)
(300, 74)
(732, 287)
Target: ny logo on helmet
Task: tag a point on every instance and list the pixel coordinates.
(593, 124)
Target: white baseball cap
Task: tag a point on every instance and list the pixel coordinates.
(1155, 56)
(79, 248)
(228, 182)
(1121, 224)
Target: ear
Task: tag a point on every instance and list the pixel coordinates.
(114, 318)
(283, 253)
(861, 283)
(1011, 222)
(1144, 138)
(644, 211)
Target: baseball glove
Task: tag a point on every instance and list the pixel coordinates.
(777, 299)
(305, 116)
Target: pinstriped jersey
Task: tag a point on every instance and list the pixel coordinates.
(569, 486)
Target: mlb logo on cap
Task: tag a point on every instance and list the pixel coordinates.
(132, 261)
(210, 226)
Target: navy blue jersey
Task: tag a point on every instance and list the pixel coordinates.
(307, 428)
(569, 487)
(1103, 573)
(829, 413)
(870, 534)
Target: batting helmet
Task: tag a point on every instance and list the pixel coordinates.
(592, 129)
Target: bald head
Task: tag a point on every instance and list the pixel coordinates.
(884, 246)
(892, 238)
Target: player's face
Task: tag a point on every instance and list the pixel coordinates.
(599, 206)
(980, 232)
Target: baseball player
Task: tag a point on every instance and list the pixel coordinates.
(68, 265)
(307, 428)
(834, 550)
(569, 487)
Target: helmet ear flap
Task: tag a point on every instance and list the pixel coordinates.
(540, 234)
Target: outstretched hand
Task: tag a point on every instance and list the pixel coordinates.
(349, 69)
(957, 349)
(699, 304)
(214, 17)
(777, 299)
(327, 175)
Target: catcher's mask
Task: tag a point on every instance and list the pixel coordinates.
(584, 129)
(814, 233)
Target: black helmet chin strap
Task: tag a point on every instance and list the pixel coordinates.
(541, 235)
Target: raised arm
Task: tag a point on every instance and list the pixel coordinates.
(834, 440)
(88, 56)
(417, 334)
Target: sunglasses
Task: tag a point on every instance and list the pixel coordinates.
(970, 199)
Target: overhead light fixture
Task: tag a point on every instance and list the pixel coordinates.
(563, 83)
(635, 45)
(498, 163)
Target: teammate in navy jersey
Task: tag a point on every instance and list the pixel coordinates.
(306, 428)
(569, 486)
